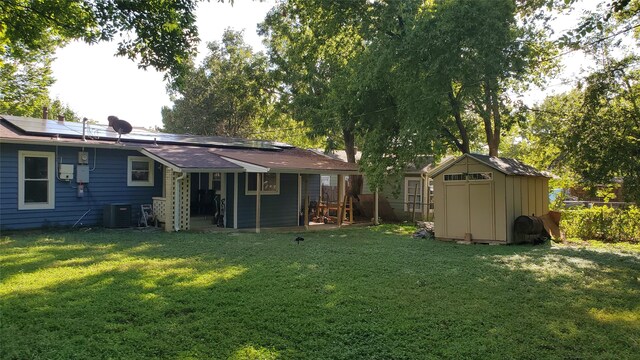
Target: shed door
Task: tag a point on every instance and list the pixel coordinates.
(469, 205)
(457, 205)
(481, 211)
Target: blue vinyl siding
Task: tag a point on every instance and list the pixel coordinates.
(313, 186)
(276, 210)
(107, 185)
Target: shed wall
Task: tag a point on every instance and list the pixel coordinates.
(525, 196)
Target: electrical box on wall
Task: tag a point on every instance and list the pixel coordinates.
(65, 171)
(83, 157)
(82, 174)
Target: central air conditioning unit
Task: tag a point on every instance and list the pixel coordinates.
(117, 215)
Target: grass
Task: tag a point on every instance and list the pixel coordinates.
(349, 294)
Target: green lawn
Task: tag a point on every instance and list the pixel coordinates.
(350, 294)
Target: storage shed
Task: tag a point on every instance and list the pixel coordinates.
(478, 197)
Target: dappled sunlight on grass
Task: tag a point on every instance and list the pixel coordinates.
(547, 266)
(251, 352)
(389, 229)
(49, 240)
(153, 272)
(5, 240)
(623, 248)
(211, 277)
(628, 317)
(564, 329)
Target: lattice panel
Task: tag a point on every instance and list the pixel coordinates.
(169, 177)
(185, 203)
(159, 209)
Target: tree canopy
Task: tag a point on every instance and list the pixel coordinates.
(157, 33)
(224, 95)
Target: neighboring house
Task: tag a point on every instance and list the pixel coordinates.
(478, 197)
(413, 189)
(56, 173)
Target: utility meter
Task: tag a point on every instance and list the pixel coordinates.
(83, 157)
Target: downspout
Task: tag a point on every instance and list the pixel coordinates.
(176, 202)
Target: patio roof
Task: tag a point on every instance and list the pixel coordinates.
(208, 159)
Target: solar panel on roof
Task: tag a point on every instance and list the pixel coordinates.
(103, 132)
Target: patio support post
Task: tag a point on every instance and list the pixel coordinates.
(341, 191)
(235, 200)
(306, 212)
(299, 199)
(376, 209)
(258, 188)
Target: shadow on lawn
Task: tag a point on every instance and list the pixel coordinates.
(373, 295)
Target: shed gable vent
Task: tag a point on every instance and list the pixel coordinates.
(480, 176)
(454, 177)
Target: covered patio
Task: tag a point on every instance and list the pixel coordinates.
(217, 189)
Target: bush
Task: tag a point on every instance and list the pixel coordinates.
(602, 223)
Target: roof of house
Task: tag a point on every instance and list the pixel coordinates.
(181, 152)
(423, 165)
(506, 166)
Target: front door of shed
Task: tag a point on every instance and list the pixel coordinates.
(469, 209)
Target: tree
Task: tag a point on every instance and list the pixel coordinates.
(25, 76)
(449, 67)
(225, 95)
(603, 141)
(157, 33)
(311, 43)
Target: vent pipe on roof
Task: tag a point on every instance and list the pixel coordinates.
(61, 118)
(45, 112)
(84, 126)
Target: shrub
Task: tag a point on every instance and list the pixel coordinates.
(602, 223)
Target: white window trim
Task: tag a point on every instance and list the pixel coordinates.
(51, 190)
(262, 192)
(130, 161)
(406, 194)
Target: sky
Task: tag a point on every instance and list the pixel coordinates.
(96, 84)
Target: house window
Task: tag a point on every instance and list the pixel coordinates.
(270, 184)
(455, 177)
(480, 176)
(36, 185)
(412, 194)
(139, 171)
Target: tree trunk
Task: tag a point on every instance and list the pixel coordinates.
(494, 146)
(490, 114)
(349, 145)
(463, 143)
(355, 181)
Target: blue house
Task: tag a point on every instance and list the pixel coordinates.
(57, 173)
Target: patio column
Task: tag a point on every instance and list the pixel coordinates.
(258, 188)
(341, 191)
(177, 200)
(168, 199)
(376, 218)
